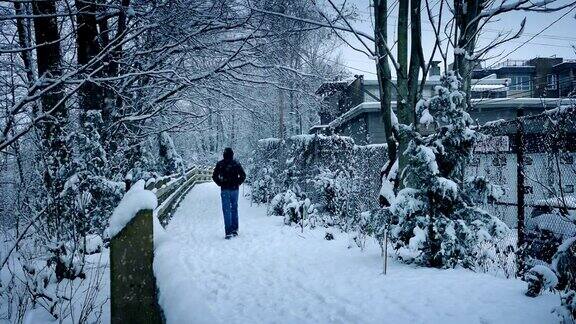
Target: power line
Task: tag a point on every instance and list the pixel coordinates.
(531, 38)
(545, 36)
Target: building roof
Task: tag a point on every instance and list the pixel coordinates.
(489, 87)
(514, 103)
(490, 79)
(567, 64)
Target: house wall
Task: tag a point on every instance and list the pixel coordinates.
(351, 96)
(328, 108)
(368, 128)
(374, 90)
(521, 77)
(355, 128)
(376, 129)
(566, 82)
(507, 113)
(543, 67)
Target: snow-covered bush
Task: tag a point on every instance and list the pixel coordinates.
(435, 220)
(91, 244)
(294, 208)
(334, 190)
(143, 164)
(561, 275)
(267, 171)
(264, 186)
(338, 177)
(67, 260)
(55, 282)
(564, 265)
(542, 245)
(540, 277)
(567, 309)
(91, 196)
(358, 229)
(276, 207)
(497, 257)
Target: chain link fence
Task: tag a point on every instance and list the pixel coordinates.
(337, 176)
(532, 159)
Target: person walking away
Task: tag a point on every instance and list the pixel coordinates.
(229, 175)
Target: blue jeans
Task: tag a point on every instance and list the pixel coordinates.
(230, 210)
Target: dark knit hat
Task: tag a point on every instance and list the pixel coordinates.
(228, 153)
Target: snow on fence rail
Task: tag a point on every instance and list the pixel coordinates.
(133, 291)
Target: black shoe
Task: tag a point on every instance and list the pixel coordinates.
(234, 233)
(227, 237)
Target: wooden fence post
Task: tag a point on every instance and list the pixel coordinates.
(132, 284)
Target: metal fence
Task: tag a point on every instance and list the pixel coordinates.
(533, 159)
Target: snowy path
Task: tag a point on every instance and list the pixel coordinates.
(272, 273)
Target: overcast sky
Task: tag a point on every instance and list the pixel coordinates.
(554, 41)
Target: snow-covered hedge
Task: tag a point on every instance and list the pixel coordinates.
(337, 176)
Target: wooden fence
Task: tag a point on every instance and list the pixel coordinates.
(133, 292)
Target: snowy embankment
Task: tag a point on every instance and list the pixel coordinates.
(273, 273)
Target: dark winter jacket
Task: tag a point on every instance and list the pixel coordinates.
(228, 174)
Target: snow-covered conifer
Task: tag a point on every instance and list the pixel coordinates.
(434, 218)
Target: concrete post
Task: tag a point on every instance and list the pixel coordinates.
(132, 284)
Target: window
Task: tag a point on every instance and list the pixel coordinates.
(520, 82)
(551, 82)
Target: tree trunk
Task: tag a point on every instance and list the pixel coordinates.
(91, 95)
(24, 41)
(112, 101)
(281, 127)
(416, 56)
(54, 147)
(465, 12)
(384, 77)
(405, 111)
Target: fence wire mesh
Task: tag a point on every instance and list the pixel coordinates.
(532, 158)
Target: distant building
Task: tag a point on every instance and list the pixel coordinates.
(562, 80)
(540, 77)
(364, 122)
(352, 107)
(338, 97)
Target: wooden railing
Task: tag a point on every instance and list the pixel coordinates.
(133, 292)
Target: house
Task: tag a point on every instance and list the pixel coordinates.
(344, 95)
(364, 122)
(352, 107)
(540, 77)
(562, 79)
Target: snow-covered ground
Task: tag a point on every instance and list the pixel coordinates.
(273, 273)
